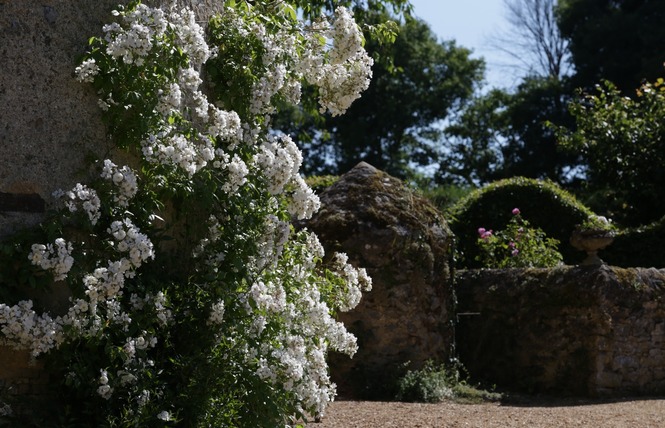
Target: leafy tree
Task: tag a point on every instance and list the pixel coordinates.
(501, 135)
(473, 142)
(622, 142)
(620, 41)
(416, 82)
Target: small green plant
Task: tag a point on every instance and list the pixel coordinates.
(435, 383)
(430, 384)
(597, 223)
(519, 245)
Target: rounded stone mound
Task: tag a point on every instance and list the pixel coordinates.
(406, 246)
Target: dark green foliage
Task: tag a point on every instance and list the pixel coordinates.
(638, 247)
(544, 204)
(623, 143)
(620, 41)
(503, 134)
(445, 196)
(319, 183)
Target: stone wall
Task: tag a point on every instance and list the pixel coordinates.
(49, 122)
(406, 246)
(589, 331)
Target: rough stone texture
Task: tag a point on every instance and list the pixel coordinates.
(588, 331)
(405, 245)
(49, 122)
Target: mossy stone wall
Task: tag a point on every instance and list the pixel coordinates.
(406, 246)
(585, 331)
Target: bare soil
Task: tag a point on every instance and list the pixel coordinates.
(624, 413)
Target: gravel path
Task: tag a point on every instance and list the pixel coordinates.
(638, 413)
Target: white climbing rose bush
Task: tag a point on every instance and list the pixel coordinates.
(193, 298)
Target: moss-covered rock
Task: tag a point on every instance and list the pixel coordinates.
(406, 246)
(319, 183)
(542, 203)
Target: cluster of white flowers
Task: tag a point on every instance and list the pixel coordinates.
(280, 160)
(81, 196)
(132, 41)
(56, 259)
(124, 179)
(271, 243)
(295, 360)
(216, 313)
(303, 202)
(279, 47)
(356, 281)
(190, 35)
(23, 328)
(290, 327)
(170, 100)
(141, 343)
(164, 416)
(87, 71)
(143, 32)
(5, 409)
(130, 240)
(169, 147)
(346, 71)
(104, 389)
(237, 170)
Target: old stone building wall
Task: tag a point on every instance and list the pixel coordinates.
(50, 125)
(593, 331)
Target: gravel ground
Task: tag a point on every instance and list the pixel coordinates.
(627, 413)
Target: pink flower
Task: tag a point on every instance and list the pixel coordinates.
(516, 211)
(515, 252)
(484, 234)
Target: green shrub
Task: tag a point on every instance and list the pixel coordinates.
(435, 383)
(518, 245)
(443, 197)
(194, 301)
(431, 384)
(546, 206)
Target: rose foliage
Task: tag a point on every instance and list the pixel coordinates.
(519, 245)
(194, 301)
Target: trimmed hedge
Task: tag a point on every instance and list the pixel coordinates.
(542, 203)
(638, 247)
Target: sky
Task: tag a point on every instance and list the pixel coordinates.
(471, 23)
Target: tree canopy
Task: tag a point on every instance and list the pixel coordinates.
(620, 41)
(502, 134)
(622, 141)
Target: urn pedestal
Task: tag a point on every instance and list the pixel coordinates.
(591, 241)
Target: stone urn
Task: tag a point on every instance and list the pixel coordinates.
(591, 241)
